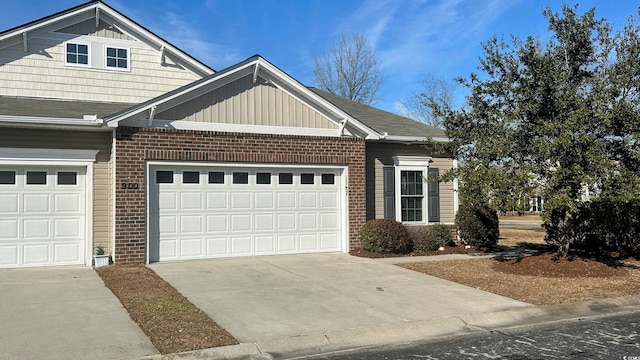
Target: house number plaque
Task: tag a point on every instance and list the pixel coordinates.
(129, 186)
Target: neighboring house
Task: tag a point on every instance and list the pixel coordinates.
(110, 135)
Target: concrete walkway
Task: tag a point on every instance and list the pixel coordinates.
(65, 313)
(299, 304)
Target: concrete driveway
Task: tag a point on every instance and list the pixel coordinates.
(65, 313)
(274, 298)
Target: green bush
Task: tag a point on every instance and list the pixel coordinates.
(385, 236)
(600, 225)
(430, 237)
(477, 225)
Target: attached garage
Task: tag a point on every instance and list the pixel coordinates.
(227, 210)
(42, 215)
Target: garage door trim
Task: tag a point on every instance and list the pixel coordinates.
(344, 221)
(83, 158)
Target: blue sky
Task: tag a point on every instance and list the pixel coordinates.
(410, 37)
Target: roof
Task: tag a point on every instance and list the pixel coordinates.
(100, 6)
(382, 121)
(13, 106)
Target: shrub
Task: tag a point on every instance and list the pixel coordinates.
(477, 225)
(429, 237)
(385, 236)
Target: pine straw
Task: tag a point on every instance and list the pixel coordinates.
(171, 321)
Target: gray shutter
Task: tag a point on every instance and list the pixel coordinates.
(389, 186)
(433, 196)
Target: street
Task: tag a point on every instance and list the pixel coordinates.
(610, 337)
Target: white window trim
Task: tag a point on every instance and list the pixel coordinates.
(88, 44)
(128, 49)
(411, 163)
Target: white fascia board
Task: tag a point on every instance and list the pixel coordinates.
(33, 27)
(188, 93)
(35, 120)
(304, 91)
(413, 138)
(235, 128)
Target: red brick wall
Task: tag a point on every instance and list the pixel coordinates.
(135, 145)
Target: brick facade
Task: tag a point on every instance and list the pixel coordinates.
(134, 146)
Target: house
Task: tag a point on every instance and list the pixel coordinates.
(111, 136)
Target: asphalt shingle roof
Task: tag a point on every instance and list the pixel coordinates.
(14, 106)
(380, 120)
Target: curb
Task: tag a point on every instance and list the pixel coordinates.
(398, 333)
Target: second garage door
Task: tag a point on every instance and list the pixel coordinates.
(221, 211)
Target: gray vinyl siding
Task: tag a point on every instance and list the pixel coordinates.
(41, 72)
(88, 27)
(243, 102)
(102, 183)
(379, 155)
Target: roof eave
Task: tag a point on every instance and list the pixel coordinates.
(35, 121)
(416, 139)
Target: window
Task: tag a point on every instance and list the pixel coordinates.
(306, 179)
(117, 58)
(7, 177)
(263, 178)
(216, 177)
(77, 54)
(190, 177)
(411, 196)
(67, 178)
(285, 178)
(164, 177)
(240, 177)
(36, 177)
(328, 179)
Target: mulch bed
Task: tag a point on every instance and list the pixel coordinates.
(171, 321)
(358, 251)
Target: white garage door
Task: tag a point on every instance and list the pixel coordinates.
(42, 216)
(197, 212)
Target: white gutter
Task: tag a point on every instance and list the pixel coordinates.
(413, 138)
(88, 120)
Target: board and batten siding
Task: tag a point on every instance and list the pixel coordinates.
(380, 155)
(41, 72)
(84, 140)
(88, 27)
(244, 102)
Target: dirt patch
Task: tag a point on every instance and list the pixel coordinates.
(447, 250)
(171, 321)
(521, 237)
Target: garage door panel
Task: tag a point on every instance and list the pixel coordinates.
(216, 200)
(217, 223)
(67, 228)
(216, 247)
(265, 244)
(36, 203)
(36, 228)
(66, 253)
(191, 248)
(191, 201)
(67, 203)
(9, 229)
(8, 203)
(9, 255)
(240, 245)
(36, 254)
(308, 242)
(240, 222)
(167, 201)
(258, 213)
(240, 201)
(190, 224)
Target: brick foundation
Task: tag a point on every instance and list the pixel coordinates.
(134, 146)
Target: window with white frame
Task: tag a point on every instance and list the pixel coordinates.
(408, 196)
(117, 58)
(77, 54)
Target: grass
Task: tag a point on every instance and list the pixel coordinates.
(171, 321)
